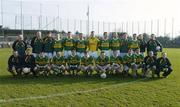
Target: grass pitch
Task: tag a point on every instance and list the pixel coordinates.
(93, 91)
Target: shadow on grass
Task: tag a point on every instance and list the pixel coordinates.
(57, 80)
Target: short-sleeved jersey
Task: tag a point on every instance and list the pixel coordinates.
(87, 60)
(128, 59)
(42, 60)
(93, 44)
(68, 43)
(81, 45)
(115, 44)
(58, 60)
(139, 58)
(102, 61)
(104, 44)
(73, 60)
(117, 60)
(134, 44)
(58, 47)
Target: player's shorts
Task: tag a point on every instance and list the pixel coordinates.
(118, 52)
(122, 54)
(73, 67)
(80, 54)
(107, 52)
(93, 54)
(67, 53)
(49, 54)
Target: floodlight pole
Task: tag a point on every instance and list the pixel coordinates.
(88, 21)
(21, 18)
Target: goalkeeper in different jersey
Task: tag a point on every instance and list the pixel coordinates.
(81, 45)
(58, 47)
(116, 63)
(163, 65)
(42, 64)
(73, 63)
(149, 64)
(58, 64)
(134, 43)
(93, 45)
(68, 44)
(139, 58)
(102, 63)
(128, 61)
(87, 66)
(103, 44)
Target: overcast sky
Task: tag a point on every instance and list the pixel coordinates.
(100, 10)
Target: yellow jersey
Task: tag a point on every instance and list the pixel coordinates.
(93, 44)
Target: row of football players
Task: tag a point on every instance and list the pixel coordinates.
(42, 64)
(50, 45)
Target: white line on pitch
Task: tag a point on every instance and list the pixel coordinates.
(64, 94)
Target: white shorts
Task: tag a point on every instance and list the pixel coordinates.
(80, 54)
(35, 54)
(49, 54)
(93, 54)
(67, 53)
(122, 54)
(107, 52)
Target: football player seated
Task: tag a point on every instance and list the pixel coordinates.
(73, 63)
(128, 61)
(138, 57)
(42, 64)
(163, 65)
(87, 66)
(102, 63)
(29, 63)
(15, 64)
(58, 64)
(149, 64)
(116, 63)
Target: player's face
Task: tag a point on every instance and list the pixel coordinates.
(28, 52)
(164, 55)
(115, 53)
(41, 54)
(80, 36)
(15, 54)
(140, 37)
(69, 35)
(38, 34)
(129, 51)
(153, 37)
(134, 37)
(137, 51)
(58, 54)
(49, 35)
(125, 36)
(86, 54)
(92, 34)
(102, 55)
(151, 54)
(114, 35)
(73, 52)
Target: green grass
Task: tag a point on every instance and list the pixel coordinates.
(127, 92)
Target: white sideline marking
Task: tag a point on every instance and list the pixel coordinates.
(64, 94)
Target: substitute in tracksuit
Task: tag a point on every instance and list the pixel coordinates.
(15, 64)
(37, 44)
(20, 46)
(163, 65)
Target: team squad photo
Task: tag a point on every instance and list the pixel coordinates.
(89, 55)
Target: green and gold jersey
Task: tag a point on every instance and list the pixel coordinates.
(58, 60)
(41, 61)
(68, 43)
(102, 61)
(128, 59)
(115, 44)
(117, 60)
(81, 45)
(139, 58)
(134, 44)
(73, 60)
(104, 44)
(87, 61)
(58, 47)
